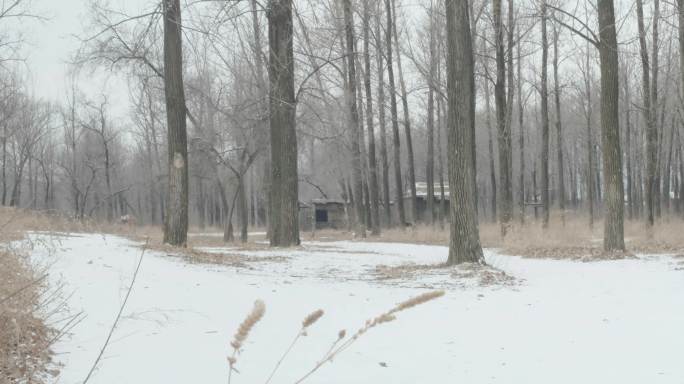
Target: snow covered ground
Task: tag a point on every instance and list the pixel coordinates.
(560, 322)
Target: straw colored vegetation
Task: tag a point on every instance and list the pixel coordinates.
(24, 336)
(573, 240)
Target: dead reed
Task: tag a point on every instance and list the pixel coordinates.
(339, 345)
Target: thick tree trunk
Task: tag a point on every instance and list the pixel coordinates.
(395, 122)
(176, 219)
(464, 245)
(284, 203)
(613, 237)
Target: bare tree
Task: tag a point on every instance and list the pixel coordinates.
(613, 237)
(395, 117)
(355, 123)
(176, 219)
(372, 162)
(464, 245)
(545, 118)
(559, 125)
(284, 196)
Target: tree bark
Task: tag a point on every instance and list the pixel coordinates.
(372, 162)
(589, 138)
(176, 218)
(545, 121)
(357, 172)
(503, 128)
(407, 121)
(284, 192)
(559, 126)
(521, 117)
(430, 163)
(395, 123)
(613, 237)
(381, 119)
(649, 116)
(492, 157)
(464, 245)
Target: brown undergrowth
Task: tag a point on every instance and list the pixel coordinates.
(196, 256)
(25, 306)
(479, 274)
(574, 239)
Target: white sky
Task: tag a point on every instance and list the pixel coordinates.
(50, 44)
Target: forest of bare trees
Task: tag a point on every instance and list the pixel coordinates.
(242, 112)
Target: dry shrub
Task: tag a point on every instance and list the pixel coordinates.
(24, 337)
(574, 239)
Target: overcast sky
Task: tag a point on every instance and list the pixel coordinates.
(50, 44)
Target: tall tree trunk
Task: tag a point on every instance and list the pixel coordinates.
(503, 128)
(440, 119)
(357, 171)
(284, 191)
(242, 209)
(263, 94)
(395, 122)
(381, 118)
(559, 133)
(521, 117)
(680, 29)
(667, 180)
(464, 245)
(176, 219)
(4, 163)
(613, 237)
(628, 149)
(490, 142)
(649, 117)
(372, 162)
(545, 121)
(430, 163)
(407, 121)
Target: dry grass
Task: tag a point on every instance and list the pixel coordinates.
(195, 256)
(573, 240)
(481, 275)
(24, 337)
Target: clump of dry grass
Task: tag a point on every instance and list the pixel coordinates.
(24, 336)
(481, 275)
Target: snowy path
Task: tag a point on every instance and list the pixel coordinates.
(564, 322)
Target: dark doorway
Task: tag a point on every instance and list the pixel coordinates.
(321, 216)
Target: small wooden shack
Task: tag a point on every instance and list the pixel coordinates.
(421, 201)
(322, 214)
